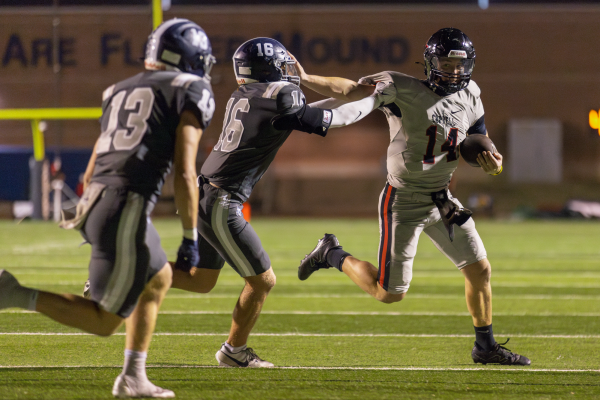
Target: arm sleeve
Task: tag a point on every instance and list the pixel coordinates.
(199, 99)
(318, 120)
(328, 103)
(478, 127)
(307, 119)
(293, 113)
(353, 112)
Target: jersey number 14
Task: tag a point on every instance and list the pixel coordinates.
(449, 146)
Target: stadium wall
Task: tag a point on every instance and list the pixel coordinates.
(532, 62)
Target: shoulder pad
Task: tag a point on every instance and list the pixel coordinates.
(108, 92)
(474, 89)
(289, 98)
(275, 87)
(184, 80)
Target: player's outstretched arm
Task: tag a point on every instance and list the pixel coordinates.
(338, 88)
(187, 139)
(349, 113)
(315, 118)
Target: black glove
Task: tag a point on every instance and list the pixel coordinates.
(188, 255)
(450, 212)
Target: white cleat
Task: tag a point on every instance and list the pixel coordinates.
(87, 290)
(126, 387)
(9, 290)
(246, 358)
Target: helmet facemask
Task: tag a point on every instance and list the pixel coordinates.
(449, 74)
(203, 65)
(290, 73)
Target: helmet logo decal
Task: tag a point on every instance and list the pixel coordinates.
(457, 54)
(245, 70)
(268, 49)
(198, 39)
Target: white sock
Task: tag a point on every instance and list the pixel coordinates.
(232, 349)
(33, 300)
(135, 364)
(24, 297)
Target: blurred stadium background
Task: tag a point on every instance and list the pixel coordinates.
(537, 65)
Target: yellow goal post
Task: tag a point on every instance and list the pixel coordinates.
(39, 179)
(36, 115)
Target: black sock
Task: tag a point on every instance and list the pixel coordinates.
(484, 337)
(335, 257)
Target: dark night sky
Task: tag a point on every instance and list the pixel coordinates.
(291, 2)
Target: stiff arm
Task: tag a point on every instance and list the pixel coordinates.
(318, 117)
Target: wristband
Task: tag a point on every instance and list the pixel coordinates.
(499, 172)
(190, 234)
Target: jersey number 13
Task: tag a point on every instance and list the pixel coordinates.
(127, 139)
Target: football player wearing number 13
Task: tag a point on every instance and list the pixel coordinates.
(149, 122)
(259, 117)
(427, 119)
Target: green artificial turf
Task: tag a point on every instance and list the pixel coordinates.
(328, 339)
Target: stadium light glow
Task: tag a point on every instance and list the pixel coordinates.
(594, 118)
(483, 4)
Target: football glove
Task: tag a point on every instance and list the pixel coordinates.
(188, 255)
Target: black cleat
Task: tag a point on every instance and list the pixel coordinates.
(317, 259)
(499, 355)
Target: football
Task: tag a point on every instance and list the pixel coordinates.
(473, 145)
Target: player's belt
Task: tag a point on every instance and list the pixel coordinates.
(415, 196)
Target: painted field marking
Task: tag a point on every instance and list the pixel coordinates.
(359, 295)
(358, 313)
(366, 296)
(440, 369)
(284, 334)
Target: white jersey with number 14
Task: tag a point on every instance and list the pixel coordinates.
(425, 130)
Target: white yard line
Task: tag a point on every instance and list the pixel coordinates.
(437, 369)
(236, 283)
(287, 334)
(358, 313)
(366, 296)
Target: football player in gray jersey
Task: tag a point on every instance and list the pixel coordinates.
(149, 122)
(428, 119)
(260, 116)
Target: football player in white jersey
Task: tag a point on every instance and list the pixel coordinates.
(427, 119)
